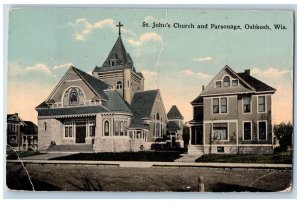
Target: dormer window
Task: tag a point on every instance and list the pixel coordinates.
(113, 62)
(226, 81)
(119, 85)
(235, 82)
(218, 84)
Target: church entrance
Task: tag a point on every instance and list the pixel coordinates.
(80, 134)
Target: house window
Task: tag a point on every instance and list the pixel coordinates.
(106, 128)
(246, 104)
(223, 105)
(119, 85)
(261, 103)
(121, 128)
(220, 149)
(216, 105)
(235, 82)
(45, 126)
(220, 131)
(247, 131)
(117, 127)
(68, 131)
(226, 81)
(218, 84)
(262, 130)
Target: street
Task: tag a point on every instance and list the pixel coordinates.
(71, 177)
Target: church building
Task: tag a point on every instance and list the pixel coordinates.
(109, 110)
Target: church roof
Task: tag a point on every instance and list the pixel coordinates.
(71, 111)
(143, 102)
(95, 83)
(255, 83)
(116, 102)
(117, 52)
(174, 113)
(172, 126)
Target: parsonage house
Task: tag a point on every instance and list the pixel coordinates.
(108, 110)
(232, 115)
(21, 135)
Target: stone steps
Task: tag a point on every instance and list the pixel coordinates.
(196, 149)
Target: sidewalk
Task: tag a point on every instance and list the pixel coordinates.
(143, 164)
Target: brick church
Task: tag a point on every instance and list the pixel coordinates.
(109, 110)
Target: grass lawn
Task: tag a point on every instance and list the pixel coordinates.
(12, 155)
(276, 158)
(123, 156)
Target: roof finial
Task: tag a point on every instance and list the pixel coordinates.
(119, 25)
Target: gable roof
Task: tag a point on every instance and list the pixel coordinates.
(143, 102)
(18, 118)
(250, 82)
(174, 113)
(255, 83)
(95, 83)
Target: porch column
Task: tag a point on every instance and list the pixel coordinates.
(98, 128)
(190, 137)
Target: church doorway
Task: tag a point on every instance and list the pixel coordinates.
(80, 134)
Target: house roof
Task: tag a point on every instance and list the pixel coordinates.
(143, 102)
(255, 83)
(116, 102)
(172, 126)
(14, 120)
(198, 100)
(71, 111)
(174, 113)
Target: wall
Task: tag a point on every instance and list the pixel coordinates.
(53, 133)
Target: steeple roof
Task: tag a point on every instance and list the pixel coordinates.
(119, 53)
(174, 113)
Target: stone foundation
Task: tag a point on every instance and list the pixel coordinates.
(239, 150)
(119, 145)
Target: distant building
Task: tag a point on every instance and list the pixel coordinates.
(21, 135)
(232, 115)
(175, 127)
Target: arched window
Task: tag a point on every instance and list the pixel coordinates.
(157, 116)
(45, 126)
(121, 128)
(119, 85)
(116, 127)
(73, 98)
(226, 81)
(106, 128)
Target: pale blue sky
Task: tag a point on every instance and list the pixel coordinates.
(42, 45)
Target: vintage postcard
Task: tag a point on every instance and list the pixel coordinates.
(158, 100)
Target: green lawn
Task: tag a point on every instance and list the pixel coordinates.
(123, 156)
(276, 158)
(12, 155)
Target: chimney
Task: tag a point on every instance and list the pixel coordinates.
(202, 87)
(247, 71)
(17, 114)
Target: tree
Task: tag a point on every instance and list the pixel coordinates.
(284, 132)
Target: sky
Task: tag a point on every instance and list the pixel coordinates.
(45, 42)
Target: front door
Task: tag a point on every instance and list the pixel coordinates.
(80, 134)
(197, 135)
